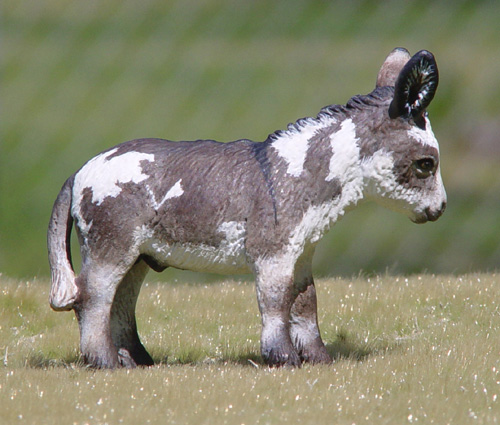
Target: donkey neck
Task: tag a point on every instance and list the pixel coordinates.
(320, 153)
(332, 147)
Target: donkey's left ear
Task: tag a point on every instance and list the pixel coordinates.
(415, 86)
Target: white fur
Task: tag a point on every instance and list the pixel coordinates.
(344, 164)
(174, 192)
(383, 187)
(426, 137)
(293, 144)
(102, 176)
(345, 151)
(293, 150)
(304, 330)
(272, 280)
(378, 172)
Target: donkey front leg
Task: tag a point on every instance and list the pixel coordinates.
(304, 330)
(275, 297)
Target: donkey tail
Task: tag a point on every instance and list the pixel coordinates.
(63, 291)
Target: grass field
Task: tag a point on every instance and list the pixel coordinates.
(422, 349)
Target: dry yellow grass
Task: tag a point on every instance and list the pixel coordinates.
(423, 349)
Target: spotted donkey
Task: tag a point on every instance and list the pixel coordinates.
(242, 207)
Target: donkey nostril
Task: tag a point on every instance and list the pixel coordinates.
(434, 215)
(440, 211)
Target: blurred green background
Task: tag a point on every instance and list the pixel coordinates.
(81, 76)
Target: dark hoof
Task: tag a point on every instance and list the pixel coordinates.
(125, 359)
(106, 362)
(280, 358)
(316, 357)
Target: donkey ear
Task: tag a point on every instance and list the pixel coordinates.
(392, 66)
(415, 86)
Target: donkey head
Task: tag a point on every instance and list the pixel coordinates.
(401, 155)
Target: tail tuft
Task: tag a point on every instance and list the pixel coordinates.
(63, 291)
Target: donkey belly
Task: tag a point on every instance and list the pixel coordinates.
(228, 256)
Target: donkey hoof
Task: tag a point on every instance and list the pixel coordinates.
(125, 359)
(280, 358)
(316, 357)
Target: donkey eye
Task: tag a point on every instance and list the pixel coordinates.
(424, 167)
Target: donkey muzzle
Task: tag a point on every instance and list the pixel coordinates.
(430, 214)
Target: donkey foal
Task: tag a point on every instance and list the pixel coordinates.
(242, 207)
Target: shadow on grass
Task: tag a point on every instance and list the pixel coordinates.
(194, 358)
(343, 347)
(348, 347)
(41, 361)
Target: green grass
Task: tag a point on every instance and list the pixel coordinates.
(419, 349)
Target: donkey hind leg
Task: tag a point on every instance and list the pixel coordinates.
(304, 330)
(97, 286)
(123, 325)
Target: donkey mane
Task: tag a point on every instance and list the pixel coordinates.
(356, 103)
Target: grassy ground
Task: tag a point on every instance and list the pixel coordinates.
(422, 349)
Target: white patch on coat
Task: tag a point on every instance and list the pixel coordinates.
(382, 185)
(234, 243)
(378, 172)
(344, 164)
(425, 137)
(102, 176)
(227, 258)
(345, 152)
(292, 145)
(314, 224)
(174, 192)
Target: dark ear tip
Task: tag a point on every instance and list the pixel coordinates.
(425, 53)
